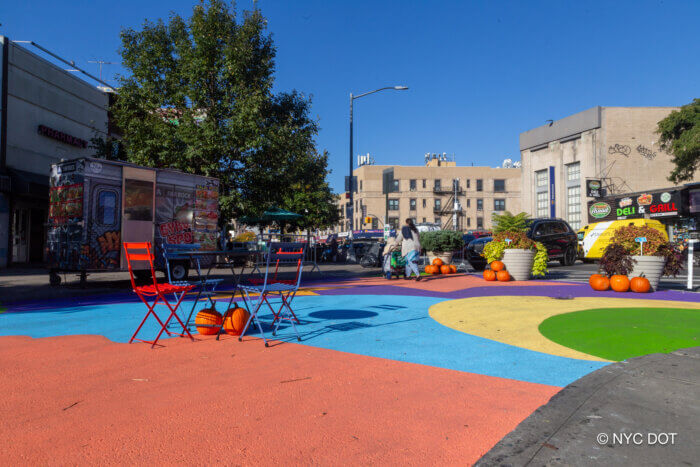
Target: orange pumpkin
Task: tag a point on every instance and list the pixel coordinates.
(619, 283)
(445, 269)
(437, 262)
(208, 321)
(234, 320)
(592, 278)
(430, 269)
(498, 266)
(640, 285)
(503, 276)
(600, 283)
(453, 269)
(489, 275)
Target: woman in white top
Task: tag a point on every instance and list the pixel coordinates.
(410, 247)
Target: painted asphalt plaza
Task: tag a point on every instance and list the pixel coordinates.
(457, 347)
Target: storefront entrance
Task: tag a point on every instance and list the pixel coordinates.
(28, 235)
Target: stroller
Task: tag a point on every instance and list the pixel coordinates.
(394, 265)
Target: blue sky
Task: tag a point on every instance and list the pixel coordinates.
(479, 72)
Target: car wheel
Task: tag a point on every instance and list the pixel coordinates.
(569, 257)
(54, 279)
(179, 271)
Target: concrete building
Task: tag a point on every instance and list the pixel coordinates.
(614, 147)
(427, 194)
(46, 114)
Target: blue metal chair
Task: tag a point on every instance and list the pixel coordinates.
(257, 294)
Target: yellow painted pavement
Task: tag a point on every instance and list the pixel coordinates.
(514, 320)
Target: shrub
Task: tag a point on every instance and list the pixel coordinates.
(625, 236)
(508, 222)
(616, 260)
(441, 240)
(494, 249)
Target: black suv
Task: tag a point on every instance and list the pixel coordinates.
(559, 238)
(555, 234)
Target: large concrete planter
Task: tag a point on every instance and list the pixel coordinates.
(518, 263)
(445, 257)
(649, 266)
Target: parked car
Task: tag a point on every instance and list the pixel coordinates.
(559, 238)
(555, 234)
(473, 253)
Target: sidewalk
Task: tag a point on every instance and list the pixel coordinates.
(623, 414)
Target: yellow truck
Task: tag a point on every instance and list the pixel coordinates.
(593, 238)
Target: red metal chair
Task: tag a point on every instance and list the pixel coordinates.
(156, 291)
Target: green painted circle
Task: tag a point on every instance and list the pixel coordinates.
(622, 333)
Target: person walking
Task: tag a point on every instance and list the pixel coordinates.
(391, 245)
(410, 247)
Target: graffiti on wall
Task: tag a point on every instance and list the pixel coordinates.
(621, 149)
(102, 253)
(646, 152)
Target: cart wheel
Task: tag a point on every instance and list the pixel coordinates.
(274, 333)
(299, 339)
(179, 271)
(54, 278)
(267, 345)
(240, 339)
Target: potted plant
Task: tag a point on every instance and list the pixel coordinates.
(653, 258)
(521, 256)
(441, 244)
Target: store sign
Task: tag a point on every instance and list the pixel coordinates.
(659, 204)
(593, 188)
(62, 137)
(599, 210)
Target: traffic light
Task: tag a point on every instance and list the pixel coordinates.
(368, 220)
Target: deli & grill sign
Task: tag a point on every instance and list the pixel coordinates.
(634, 206)
(61, 136)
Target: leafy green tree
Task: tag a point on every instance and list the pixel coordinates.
(198, 98)
(509, 222)
(680, 137)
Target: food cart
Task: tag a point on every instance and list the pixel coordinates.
(95, 205)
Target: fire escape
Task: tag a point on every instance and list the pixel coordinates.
(452, 210)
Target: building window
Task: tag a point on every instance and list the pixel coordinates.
(107, 207)
(396, 185)
(541, 178)
(424, 202)
(468, 183)
(499, 204)
(573, 171)
(573, 208)
(480, 204)
(499, 185)
(469, 221)
(412, 204)
(438, 221)
(542, 204)
(413, 219)
(437, 184)
(479, 223)
(393, 205)
(424, 220)
(469, 202)
(393, 222)
(438, 204)
(479, 184)
(455, 184)
(412, 185)
(424, 183)
(360, 185)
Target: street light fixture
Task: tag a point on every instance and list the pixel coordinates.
(350, 184)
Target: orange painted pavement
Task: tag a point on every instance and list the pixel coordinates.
(84, 399)
(443, 284)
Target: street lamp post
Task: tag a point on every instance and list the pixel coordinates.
(350, 184)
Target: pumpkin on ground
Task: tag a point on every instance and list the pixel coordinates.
(453, 269)
(600, 283)
(497, 266)
(592, 278)
(503, 276)
(619, 283)
(640, 285)
(489, 275)
(437, 262)
(208, 321)
(430, 269)
(445, 269)
(234, 320)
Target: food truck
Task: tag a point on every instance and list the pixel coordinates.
(95, 205)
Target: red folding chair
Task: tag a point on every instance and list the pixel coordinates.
(156, 291)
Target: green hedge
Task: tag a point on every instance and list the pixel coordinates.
(441, 240)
